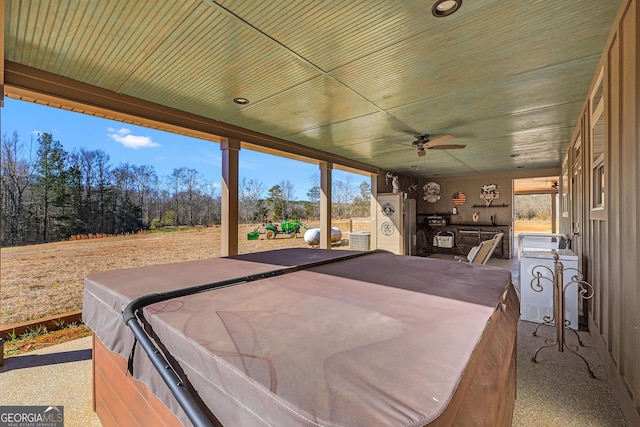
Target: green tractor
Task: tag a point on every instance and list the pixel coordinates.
(290, 228)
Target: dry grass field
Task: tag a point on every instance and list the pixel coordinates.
(532, 227)
(43, 280)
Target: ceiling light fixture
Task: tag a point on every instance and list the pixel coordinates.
(241, 101)
(442, 8)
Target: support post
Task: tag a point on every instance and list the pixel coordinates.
(373, 203)
(230, 154)
(326, 169)
(2, 37)
(554, 214)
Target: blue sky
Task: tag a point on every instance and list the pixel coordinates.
(143, 146)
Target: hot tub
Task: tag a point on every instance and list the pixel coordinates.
(375, 340)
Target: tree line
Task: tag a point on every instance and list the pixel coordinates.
(50, 194)
(533, 206)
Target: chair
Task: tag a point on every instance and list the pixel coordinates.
(480, 254)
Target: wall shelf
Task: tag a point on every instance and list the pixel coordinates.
(503, 205)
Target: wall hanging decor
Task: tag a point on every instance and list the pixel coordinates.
(387, 228)
(489, 193)
(459, 198)
(395, 181)
(431, 192)
(388, 209)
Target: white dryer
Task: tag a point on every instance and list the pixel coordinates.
(534, 306)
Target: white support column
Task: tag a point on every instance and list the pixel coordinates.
(325, 204)
(230, 154)
(554, 216)
(373, 203)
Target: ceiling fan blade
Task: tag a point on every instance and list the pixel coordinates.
(447, 147)
(438, 141)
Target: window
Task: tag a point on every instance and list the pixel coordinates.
(598, 187)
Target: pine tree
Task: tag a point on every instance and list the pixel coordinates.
(50, 182)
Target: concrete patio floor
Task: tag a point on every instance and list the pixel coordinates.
(59, 375)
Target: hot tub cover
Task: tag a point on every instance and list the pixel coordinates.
(379, 340)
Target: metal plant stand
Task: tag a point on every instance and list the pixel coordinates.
(558, 319)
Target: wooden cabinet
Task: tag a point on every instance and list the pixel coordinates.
(466, 237)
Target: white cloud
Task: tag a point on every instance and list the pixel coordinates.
(124, 137)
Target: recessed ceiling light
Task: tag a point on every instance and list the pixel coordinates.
(442, 8)
(241, 101)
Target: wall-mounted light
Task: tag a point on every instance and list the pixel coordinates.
(442, 8)
(241, 101)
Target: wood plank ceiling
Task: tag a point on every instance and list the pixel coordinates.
(358, 79)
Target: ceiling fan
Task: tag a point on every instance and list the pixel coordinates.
(423, 143)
